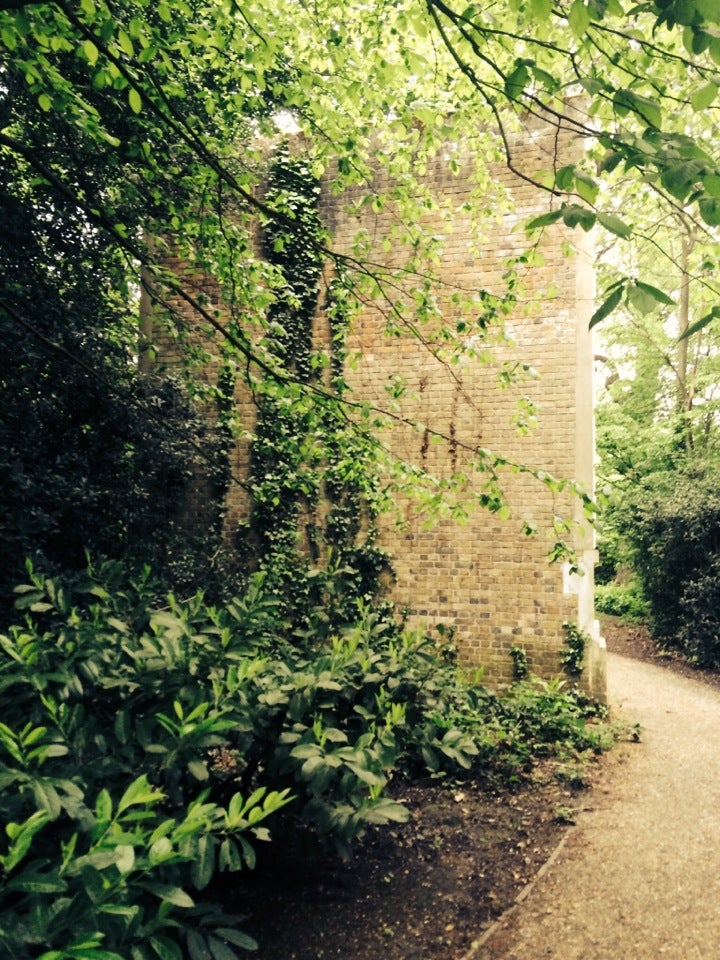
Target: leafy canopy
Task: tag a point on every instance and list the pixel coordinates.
(122, 120)
(176, 97)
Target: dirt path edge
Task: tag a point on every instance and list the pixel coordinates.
(477, 945)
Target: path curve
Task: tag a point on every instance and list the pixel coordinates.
(639, 876)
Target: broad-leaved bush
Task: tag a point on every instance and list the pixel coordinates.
(148, 746)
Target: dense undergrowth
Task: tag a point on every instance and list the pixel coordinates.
(623, 600)
(148, 746)
(664, 570)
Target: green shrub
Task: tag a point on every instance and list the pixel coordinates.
(546, 716)
(676, 539)
(533, 719)
(621, 600)
(521, 663)
(147, 747)
(112, 832)
(142, 747)
(699, 634)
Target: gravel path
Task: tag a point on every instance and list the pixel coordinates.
(639, 876)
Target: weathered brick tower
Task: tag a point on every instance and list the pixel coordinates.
(484, 577)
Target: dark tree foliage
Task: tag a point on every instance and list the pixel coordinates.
(93, 457)
(674, 530)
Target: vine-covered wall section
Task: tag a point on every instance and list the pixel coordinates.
(313, 489)
(306, 503)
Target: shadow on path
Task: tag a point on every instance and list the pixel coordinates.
(639, 876)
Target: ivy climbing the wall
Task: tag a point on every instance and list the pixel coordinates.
(315, 493)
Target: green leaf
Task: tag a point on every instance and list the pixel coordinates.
(21, 835)
(166, 948)
(125, 858)
(711, 182)
(91, 953)
(175, 895)
(32, 881)
(607, 306)
(139, 792)
(542, 9)
(160, 851)
(248, 853)
(702, 98)
(708, 10)
(644, 297)
(614, 224)
(385, 810)
(678, 178)
(197, 946)
(304, 751)
(516, 81)
(237, 937)
(126, 44)
(546, 80)
(565, 178)
(98, 860)
(586, 187)
(579, 18)
(10, 741)
(256, 796)
(544, 220)
(135, 100)
(122, 726)
(710, 211)
(702, 322)
(334, 735)
(627, 101)
(229, 856)
(91, 52)
(199, 769)
(574, 216)
(103, 806)
(120, 910)
(31, 595)
(204, 864)
(9, 38)
(593, 86)
(46, 797)
(700, 41)
(714, 50)
(658, 295)
(220, 950)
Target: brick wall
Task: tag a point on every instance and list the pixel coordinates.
(483, 577)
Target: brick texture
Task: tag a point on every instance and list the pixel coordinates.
(483, 577)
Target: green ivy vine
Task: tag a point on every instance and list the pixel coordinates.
(576, 641)
(314, 486)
